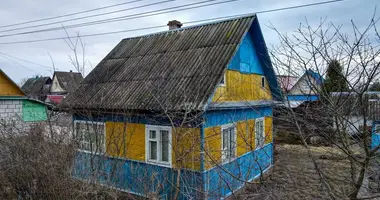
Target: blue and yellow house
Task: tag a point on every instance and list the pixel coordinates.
(180, 114)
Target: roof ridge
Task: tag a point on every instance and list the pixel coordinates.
(193, 26)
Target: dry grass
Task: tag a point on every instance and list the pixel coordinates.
(294, 176)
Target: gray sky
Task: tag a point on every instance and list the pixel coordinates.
(12, 12)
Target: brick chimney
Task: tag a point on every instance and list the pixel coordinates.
(174, 24)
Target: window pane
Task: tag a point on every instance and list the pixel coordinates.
(153, 150)
(152, 134)
(165, 146)
(232, 142)
(225, 139)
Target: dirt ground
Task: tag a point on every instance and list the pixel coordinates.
(294, 176)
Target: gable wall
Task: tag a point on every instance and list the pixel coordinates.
(8, 88)
(243, 76)
(55, 87)
(305, 86)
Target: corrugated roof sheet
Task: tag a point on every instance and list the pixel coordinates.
(174, 70)
(69, 81)
(37, 87)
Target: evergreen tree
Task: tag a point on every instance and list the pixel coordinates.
(335, 78)
(375, 86)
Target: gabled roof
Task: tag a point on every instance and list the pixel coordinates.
(68, 81)
(175, 70)
(36, 86)
(316, 76)
(15, 86)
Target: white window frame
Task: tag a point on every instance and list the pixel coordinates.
(159, 148)
(262, 83)
(91, 123)
(257, 146)
(224, 155)
(377, 129)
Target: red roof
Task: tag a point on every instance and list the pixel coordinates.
(286, 82)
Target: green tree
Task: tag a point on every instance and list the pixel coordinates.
(335, 79)
(375, 86)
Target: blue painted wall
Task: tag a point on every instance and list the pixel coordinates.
(220, 117)
(137, 177)
(303, 97)
(375, 136)
(219, 183)
(139, 119)
(246, 59)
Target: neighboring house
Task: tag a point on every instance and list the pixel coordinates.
(298, 90)
(16, 106)
(183, 112)
(37, 87)
(63, 84)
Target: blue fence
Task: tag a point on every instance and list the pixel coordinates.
(375, 135)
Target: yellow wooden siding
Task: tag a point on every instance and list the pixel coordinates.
(268, 129)
(245, 139)
(186, 148)
(213, 142)
(242, 87)
(125, 140)
(8, 88)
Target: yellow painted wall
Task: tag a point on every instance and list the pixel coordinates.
(186, 148)
(242, 87)
(245, 140)
(213, 142)
(7, 87)
(127, 140)
(268, 129)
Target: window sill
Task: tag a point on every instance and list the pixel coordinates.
(90, 152)
(162, 164)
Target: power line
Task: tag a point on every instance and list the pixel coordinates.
(190, 22)
(18, 64)
(85, 17)
(39, 65)
(71, 14)
(127, 17)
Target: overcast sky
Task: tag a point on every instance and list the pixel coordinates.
(12, 12)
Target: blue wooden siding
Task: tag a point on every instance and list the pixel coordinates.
(138, 119)
(220, 183)
(137, 177)
(220, 117)
(303, 97)
(246, 59)
(375, 136)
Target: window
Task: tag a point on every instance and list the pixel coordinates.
(223, 81)
(158, 142)
(263, 81)
(228, 142)
(90, 136)
(260, 133)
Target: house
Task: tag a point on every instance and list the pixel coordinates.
(63, 84)
(179, 114)
(37, 87)
(299, 90)
(16, 106)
